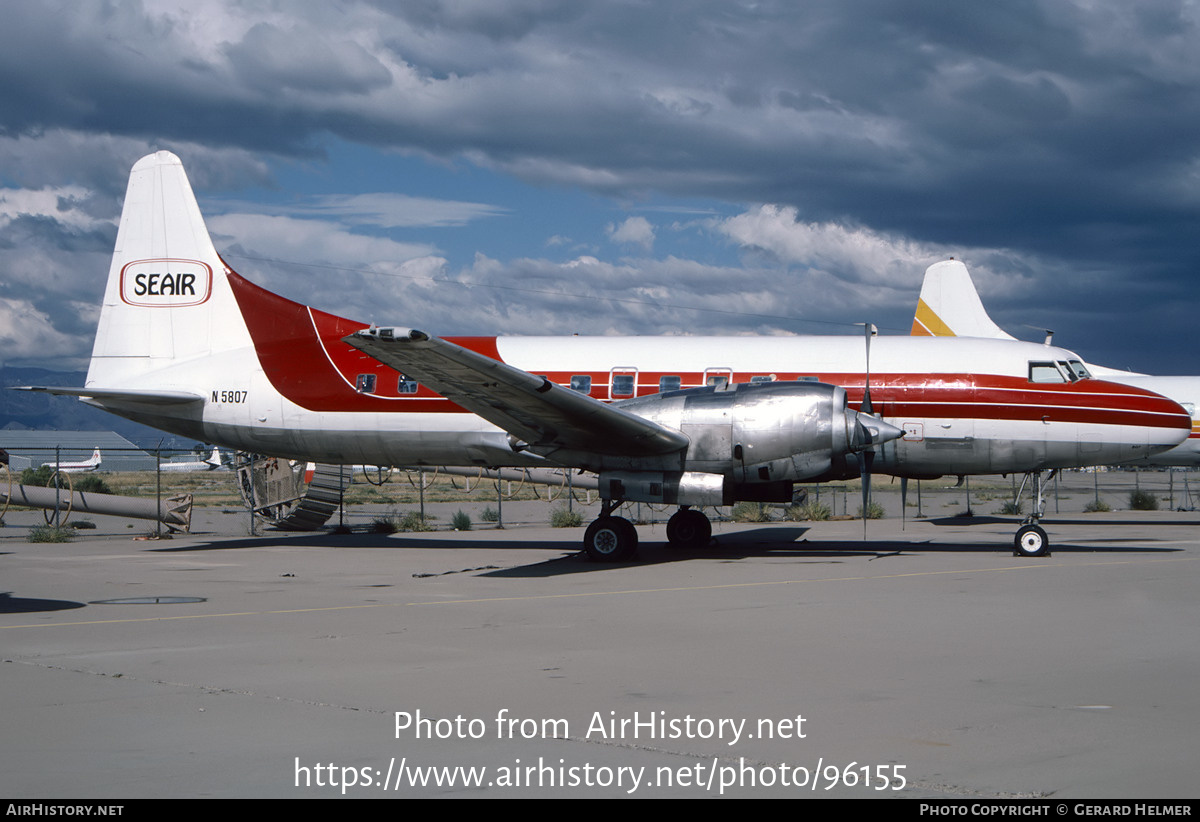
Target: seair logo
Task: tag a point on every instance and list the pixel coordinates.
(166, 283)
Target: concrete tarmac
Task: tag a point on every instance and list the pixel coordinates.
(789, 659)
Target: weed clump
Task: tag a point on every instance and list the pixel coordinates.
(562, 517)
(1142, 501)
(751, 512)
(809, 511)
(874, 511)
(51, 533)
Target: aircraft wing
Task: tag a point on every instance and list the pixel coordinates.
(530, 408)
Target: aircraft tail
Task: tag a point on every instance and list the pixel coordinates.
(168, 299)
(949, 306)
(215, 460)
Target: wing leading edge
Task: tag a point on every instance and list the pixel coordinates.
(539, 414)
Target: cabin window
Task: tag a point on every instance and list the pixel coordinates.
(407, 385)
(762, 378)
(669, 384)
(1046, 372)
(365, 383)
(581, 383)
(622, 385)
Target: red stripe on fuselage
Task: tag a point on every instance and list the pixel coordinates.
(302, 354)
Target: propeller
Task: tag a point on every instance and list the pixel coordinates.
(866, 457)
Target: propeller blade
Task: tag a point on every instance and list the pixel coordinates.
(869, 331)
(864, 461)
(903, 501)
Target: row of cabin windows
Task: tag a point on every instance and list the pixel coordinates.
(623, 385)
(365, 384)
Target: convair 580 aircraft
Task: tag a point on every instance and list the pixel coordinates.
(90, 464)
(187, 345)
(949, 306)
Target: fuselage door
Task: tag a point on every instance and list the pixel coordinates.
(719, 378)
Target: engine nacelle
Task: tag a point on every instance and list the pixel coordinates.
(760, 432)
(750, 441)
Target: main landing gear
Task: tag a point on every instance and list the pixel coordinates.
(613, 539)
(688, 528)
(1031, 539)
(609, 538)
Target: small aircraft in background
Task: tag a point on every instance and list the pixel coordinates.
(90, 464)
(949, 306)
(187, 345)
(212, 463)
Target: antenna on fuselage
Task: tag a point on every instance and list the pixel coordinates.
(1049, 332)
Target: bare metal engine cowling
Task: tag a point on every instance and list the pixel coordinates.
(748, 441)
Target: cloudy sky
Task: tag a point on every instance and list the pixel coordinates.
(563, 166)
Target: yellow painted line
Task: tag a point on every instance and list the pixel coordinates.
(1030, 566)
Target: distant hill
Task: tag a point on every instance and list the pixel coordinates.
(42, 412)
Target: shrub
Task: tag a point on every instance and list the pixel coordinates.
(413, 521)
(49, 533)
(751, 512)
(874, 511)
(385, 525)
(1010, 507)
(1142, 501)
(36, 476)
(1097, 506)
(490, 514)
(461, 521)
(811, 510)
(93, 484)
(561, 517)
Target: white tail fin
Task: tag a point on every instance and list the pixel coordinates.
(167, 300)
(949, 306)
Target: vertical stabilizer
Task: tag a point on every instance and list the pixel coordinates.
(949, 306)
(167, 300)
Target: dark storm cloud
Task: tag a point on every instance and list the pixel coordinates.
(1057, 134)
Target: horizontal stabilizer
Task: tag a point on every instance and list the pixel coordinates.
(131, 395)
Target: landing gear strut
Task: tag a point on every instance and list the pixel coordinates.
(688, 528)
(1031, 539)
(609, 538)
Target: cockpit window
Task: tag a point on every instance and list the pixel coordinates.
(1046, 372)
(1080, 370)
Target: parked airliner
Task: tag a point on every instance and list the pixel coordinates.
(90, 464)
(949, 306)
(188, 345)
(212, 463)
